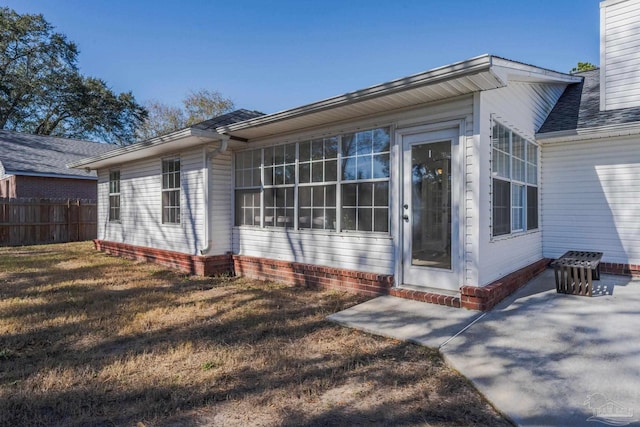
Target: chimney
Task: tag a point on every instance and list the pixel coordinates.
(619, 54)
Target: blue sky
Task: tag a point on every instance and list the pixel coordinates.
(275, 55)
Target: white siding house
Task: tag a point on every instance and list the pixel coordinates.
(453, 186)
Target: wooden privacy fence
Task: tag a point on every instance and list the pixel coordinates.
(36, 221)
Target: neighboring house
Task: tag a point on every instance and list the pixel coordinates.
(453, 186)
(35, 166)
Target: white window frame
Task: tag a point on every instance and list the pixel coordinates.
(114, 194)
(519, 208)
(175, 189)
(333, 226)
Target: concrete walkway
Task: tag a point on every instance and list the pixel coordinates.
(542, 358)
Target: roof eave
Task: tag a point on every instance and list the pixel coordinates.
(608, 131)
(470, 66)
(158, 145)
(50, 175)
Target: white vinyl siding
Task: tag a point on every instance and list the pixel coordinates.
(591, 198)
(619, 54)
(370, 252)
(523, 107)
(141, 211)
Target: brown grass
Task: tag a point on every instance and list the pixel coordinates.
(88, 339)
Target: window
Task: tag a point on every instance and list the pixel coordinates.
(114, 196)
(318, 166)
(171, 191)
(515, 178)
(248, 186)
(338, 183)
(279, 184)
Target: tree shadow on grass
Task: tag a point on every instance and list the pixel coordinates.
(116, 343)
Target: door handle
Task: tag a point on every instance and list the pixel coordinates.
(406, 218)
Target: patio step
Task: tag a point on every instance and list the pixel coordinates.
(425, 296)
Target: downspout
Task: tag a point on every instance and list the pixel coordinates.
(207, 158)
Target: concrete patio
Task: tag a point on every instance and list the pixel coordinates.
(542, 358)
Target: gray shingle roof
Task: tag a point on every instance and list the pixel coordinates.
(579, 108)
(226, 119)
(25, 154)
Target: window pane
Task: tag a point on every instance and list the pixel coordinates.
(331, 170)
(290, 153)
(304, 196)
(381, 220)
(381, 196)
(304, 151)
(517, 204)
(381, 166)
(330, 198)
(501, 207)
(318, 196)
(316, 171)
(290, 174)
(268, 175)
(517, 146)
(381, 140)
(317, 149)
(365, 142)
(364, 167)
(305, 173)
(518, 170)
(349, 219)
(349, 144)
(349, 168)
(349, 194)
(304, 218)
(532, 153)
(532, 174)
(365, 194)
(500, 164)
(365, 220)
(331, 148)
(532, 208)
(268, 156)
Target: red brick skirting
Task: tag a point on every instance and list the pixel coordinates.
(620, 269)
(192, 264)
(422, 296)
(486, 297)
(314, 276)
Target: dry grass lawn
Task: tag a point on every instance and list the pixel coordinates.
(88, 339)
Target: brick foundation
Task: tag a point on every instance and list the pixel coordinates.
(620, 269)
(422, 296)
(317, 276)
(192, 264)
(486, 297)
(314, 276)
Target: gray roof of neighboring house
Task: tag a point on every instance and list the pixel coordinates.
(38, 155)
(579, 108)
(229, 118)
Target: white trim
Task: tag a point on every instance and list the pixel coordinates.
(458, 264)
(608, 131)
(160, 145)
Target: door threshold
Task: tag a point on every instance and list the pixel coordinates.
(430, 290)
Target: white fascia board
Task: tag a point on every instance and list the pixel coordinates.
(184, 138)
(448, 72)
(609, 131)
(516, 71)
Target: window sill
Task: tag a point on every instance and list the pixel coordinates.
(511, 236)
(332, 233)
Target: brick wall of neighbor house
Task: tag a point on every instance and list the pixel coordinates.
(8, 187)
(55, 188)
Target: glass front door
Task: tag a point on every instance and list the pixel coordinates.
(430, 226)
(431, 204)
